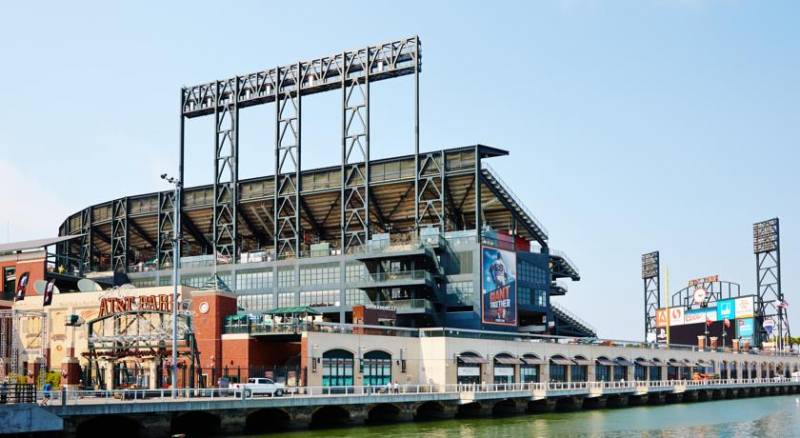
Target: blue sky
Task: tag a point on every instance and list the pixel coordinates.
(632, 125)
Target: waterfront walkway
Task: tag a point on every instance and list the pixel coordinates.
(219, 410)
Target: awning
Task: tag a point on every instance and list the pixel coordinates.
(606, 362)
(623, 362)
(656, 362)
(507, 360)
(581, 361)
(702, 363)
(293, 310)
(644, 363)
(675, 363)
(12, 247)
(561, 361)
(472, 359)
(532, 361)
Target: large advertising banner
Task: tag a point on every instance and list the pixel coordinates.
(744, 328)
(744, 307)
(499, 287)
(725, 310)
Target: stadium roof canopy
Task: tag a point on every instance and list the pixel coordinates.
(391, 202)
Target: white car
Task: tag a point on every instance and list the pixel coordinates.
(258, 386)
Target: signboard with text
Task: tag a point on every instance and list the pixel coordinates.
(498, 287)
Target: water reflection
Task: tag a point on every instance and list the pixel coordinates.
(759, 417)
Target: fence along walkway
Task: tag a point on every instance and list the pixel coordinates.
(67, 403)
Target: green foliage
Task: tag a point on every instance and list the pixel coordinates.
(51, 377)
(17, 378)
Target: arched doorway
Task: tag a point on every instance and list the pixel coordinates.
(376, 368)
(337, 369)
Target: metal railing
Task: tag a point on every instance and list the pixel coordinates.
(563, 255)
(507, 188)
(394, 276)
(117, 396)
(559, 308)
(412, 304)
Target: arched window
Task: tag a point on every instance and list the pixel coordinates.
(602, 369)
(621, 369)
(337, 368)
(469, 368)
(655, 370)
(580, 371)
(530, 369)
(376, 368)
(640, 366)
(673, 369)
(504, 368)
(558, 368)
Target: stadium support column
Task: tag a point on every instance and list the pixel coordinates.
(354, 198)
(651, 274)
(767, 248)
(86, 242)
(166, 224)
(226, 164)
(287, 161)
(477, 188)
(429, 178)
(119, 235)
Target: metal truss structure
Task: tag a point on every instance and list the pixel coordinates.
(119, 235)
(355, 195)
(767, 248)
(226, 165)
(16, 349)
(280, 216)
(137, 334)
(716, 290)
(352, 71)
(86, 242)
(651, 274)
(166, 228)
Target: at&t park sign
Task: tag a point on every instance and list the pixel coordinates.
(113, 305)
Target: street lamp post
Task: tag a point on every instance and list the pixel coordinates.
(176, 258)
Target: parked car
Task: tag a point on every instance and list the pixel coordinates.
(258, 386)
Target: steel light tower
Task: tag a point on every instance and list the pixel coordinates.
(767, 248)
(651, 274)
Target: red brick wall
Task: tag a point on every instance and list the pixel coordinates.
(208, 326)
(35, 267)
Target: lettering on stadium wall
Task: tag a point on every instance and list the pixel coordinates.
(113, 305)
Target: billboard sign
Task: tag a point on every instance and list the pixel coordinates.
(744, 328)
(697, 316)
(743, 307)
(499, 287)
(725, 310)
(661, 317)
(676, 316)
(769, 326)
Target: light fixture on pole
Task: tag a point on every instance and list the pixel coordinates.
(176, 258)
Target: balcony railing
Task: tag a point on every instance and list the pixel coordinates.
(415, 304)
(395, 276)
